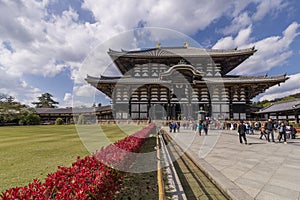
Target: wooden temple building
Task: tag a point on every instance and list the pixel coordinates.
(286, 111)
(166, 83)
(70, 115)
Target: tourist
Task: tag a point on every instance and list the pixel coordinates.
(228, 125)
(247, 127)
(178, 126)
(232, 126)
(288, 131)
(293, 132)
(269, 128)
(184, 125)
(251, 131)
(263, 132)
(256, 126)
(200, 126)
(282, 131)
(170, 126)
(235, 126)
(205, 126)
(242, 132)
(195, 125)
(174, 126)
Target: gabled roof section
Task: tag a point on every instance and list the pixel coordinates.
(226, 59)
(255, 84)
(181, 51)
(281, 106)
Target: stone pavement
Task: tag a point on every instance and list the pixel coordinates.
(259, 170)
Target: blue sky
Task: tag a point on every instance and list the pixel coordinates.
(44, 45)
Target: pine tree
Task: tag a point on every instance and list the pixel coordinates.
(45, 101)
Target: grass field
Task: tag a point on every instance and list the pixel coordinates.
(29, 152)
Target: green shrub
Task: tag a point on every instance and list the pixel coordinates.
(22, 121)
(72, 121)
(33, 119)
(30, 119)
(59, 121)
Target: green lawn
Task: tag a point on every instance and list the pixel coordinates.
(29, 152)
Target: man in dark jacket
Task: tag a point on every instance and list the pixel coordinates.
(242, 132)
(269, 127)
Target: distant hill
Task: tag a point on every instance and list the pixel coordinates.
(266, 103)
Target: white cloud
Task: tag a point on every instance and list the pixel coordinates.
(186, 16)
(272, 51)
(43, 43)
(268, 6)
(291, 86)
(229, 42)
(84, 91)
(18, 88)
(68, 97)
(240, 22)
(242, 18)
(67, 101)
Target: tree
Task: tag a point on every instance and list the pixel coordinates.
(45, 101)
(10, 111)
(30, 119)
(59, 121)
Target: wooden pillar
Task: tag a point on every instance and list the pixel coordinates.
(149, 100)
(297, 116)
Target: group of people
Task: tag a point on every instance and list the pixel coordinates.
(203, 125)
(285, 131)
(174, 126)
(200, 126)
(267, 129)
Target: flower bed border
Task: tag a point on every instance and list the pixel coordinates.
(91, 177)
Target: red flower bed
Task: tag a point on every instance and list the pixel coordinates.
(92, 177)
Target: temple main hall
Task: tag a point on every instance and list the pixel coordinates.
(166, 83)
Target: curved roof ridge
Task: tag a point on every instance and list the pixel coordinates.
(103, 77)
(179, 47)
(265, 76)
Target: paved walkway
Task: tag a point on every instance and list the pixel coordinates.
(259, 170)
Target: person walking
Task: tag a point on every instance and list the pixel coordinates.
(205, 126)
(195, 125)
(242, 132)
(178, 126)
(288, 131)
(282, 132)
(269, 127)
(293, 132)
(174, 126)
(200, 127)
(171, 126)
(263, 132)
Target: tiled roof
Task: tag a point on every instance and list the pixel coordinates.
(247, 79)
(228, 59)
(182, 51)
(283, 106)
(70, 110)
(91, 79)
(226, 79)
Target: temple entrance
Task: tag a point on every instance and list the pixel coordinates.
(181, 111)
(158, 112)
